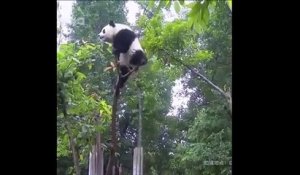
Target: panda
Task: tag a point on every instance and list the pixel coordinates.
(126, 47)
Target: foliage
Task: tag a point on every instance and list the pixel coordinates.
(210, 52)
(209, 139)
(199, 13)
(81, 105)
(208, 136)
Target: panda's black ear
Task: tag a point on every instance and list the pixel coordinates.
(111, 22)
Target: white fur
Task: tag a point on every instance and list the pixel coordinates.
(135, 46)
(124, 61)
(124, 57)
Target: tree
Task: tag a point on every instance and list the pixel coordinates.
(77, 107)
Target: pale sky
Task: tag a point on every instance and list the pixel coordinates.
(178, 100)
(64, 17)
(134, 9)
(65, 10)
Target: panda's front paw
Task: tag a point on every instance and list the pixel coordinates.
(115, 51)
(117, 56)
(117, 63)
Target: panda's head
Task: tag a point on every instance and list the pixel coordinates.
(110, 30)
(107, 33)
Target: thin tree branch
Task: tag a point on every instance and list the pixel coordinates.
(226, 95)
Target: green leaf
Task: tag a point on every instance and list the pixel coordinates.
(168, 4)
(160, 5)
(60, 55)
(194, 12)
(181, 2)
(105, 109)
(99, 128)
(204, 55)
(84, 129)
(80, 76)
(198, 17)
(90, 46)
(90, 66)
(156, 66)
(176, 6)
(191, 5)
(63, 65)
(65, 138)
(151, 4)
(205, 15)
(212, 3)
(229, 2)
(75, 59)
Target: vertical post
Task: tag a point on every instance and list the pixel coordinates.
(138, 161)
(138, 151)
(91, 167)
(140, 119)
(96, 155)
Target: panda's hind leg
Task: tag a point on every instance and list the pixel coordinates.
(124, 70)
(138, 58)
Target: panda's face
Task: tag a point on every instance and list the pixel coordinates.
(107, 33)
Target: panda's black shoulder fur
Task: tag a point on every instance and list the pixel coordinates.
(123, 40)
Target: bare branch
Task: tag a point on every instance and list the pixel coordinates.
(226, 95)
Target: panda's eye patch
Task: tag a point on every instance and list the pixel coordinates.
(103, 30)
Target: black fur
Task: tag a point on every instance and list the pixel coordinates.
(138, 58)
(123, 71)
(112, 23)
(116, 53)
(122, 41)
